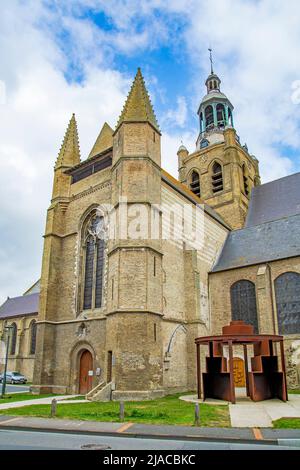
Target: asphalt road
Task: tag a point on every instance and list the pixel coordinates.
(29, 440)
(15, 388)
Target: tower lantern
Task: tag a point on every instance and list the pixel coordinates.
(215, 111)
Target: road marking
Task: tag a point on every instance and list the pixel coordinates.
(257, 434)
(124, 427)
(9, 420)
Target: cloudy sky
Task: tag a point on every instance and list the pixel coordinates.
(60, 56)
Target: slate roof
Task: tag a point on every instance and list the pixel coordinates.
(274, 200)
(20, 306)
(262, 243)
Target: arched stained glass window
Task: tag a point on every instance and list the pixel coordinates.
(33, 337)
(287, 292)
(13, 338)
(243, 303)
(94, 246)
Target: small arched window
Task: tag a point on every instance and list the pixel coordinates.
(13, 338)
(221, 115)
(33, 329)
(93, 250)
(195, 183)
(287, 292)
(217, 178)
(209, 116)
(204, 143)
(243, 303)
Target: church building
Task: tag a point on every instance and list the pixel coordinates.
(137, 264)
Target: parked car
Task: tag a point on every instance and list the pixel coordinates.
(14, 378)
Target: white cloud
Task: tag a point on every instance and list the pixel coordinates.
(257, 56)
(39, 102)
(256, 49)
(178, 115)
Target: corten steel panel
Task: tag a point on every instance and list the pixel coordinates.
(216, 386)
(263, 382)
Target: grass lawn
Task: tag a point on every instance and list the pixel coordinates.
(296, 391)
(167, 410)
(287, 423)
(9, 398)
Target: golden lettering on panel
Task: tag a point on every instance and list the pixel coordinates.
(239, 372)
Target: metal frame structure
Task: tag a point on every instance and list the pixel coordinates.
(264, 381)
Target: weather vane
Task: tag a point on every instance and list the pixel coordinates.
(211, 60)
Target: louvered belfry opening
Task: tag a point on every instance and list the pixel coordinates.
(195, 183)
(217, 178)
(245, 180)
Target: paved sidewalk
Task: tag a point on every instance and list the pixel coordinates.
(265, 436)
(40, 401)
(261, 414)
(249, 414)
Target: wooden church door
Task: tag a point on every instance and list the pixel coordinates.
(85, 379)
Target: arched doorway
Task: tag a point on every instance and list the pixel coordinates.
(85, 369)
(239, 372)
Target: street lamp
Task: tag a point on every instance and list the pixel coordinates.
(7, 330)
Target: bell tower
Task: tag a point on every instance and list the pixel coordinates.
(221, 171)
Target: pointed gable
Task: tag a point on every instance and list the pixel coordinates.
(69, 154)
(104, 141)
(138, 107)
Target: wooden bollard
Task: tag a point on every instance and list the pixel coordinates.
(53, 407)
(122, 411)
(197, 414)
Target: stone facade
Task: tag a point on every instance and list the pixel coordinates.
(239, 172)
(150, 313)
(22, 359)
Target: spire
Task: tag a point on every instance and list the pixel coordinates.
(211, 61)
(104, 140)
(69, 154)
(138, 107)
